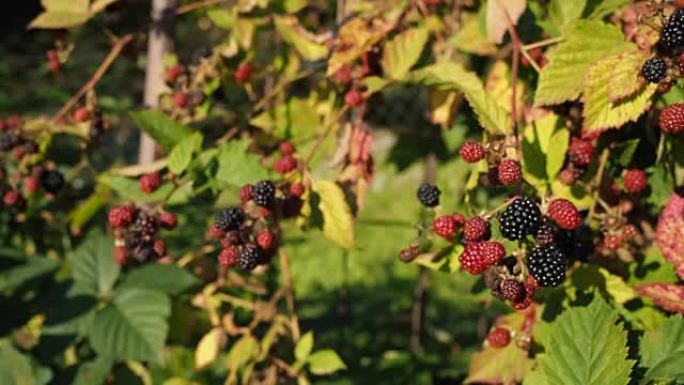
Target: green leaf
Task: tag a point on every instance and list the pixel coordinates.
(586, 346)
(325, 362)
(304, 42)
(338, 222)
(87, 209)
(624, 152)
(130, 188)
(598, 9)
(244, 350)
(294, 6)
(662, 351)
(470, 38)
(585, 43)
(133, 327)
(181, 154)
(295, 119)
(237, 166)
(304, 346)
(403, 51)
(662, 185)
(59, 20)
(93, 265)
(15, 368)
(451, 76)
(555, 153)
(164, 130)
(94, 372)
(169, 279)
(600, 113)
(222, 17)
(562, 12)
(543, 149)
(17, 270)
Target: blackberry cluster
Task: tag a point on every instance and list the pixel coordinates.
(520, 219)
(672, 34)
(229, 219)
(263, 193)
(250, 256)
(147, 225)
(654, 69)
(428, 195)
(135, 232)
(547, 264)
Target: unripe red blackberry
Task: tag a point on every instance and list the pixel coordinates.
(265, 240)
(216, 233)
(81, 114)
(168, 220)
(180, 99)
(546, 233)
(159, 247)
(31, 184)
(567, 176)
(444, 226)
(121, 216)
(479, 256)
(286, 148)
(475, 229)
(13, 198)
(459, 219)
(353, 98)
(671, 119)
(173, 72)
(472, 152)
(580, 152)
(499, 337)
(509, 172)
(285, 164)
(297, 189)
(635, 180)
(246, 193)
(228, 256)
(243, 72)
(121, 255)
(613, 241)
(150, 182)
(408, 254)
(343, 75)
(629, 231)
(564, 213)
(512, 290)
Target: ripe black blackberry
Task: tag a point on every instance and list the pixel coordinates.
(146, 253)
(229, 219)
(146, 224)
(263, 193)
(654, 69)
(547, 265)
(7, 141)
(521, 218)
(428, 195)
(249, 257)
(52, 181)
(672, 34)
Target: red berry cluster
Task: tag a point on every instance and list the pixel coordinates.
(186, 92)
(54, 63)
(23, 171)
(136, 233)
(287, 162)
(503, 170)
(578, 158)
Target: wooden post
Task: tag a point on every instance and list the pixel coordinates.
(159, 43)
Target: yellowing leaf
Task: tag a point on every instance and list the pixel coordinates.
(442, 105)
(355, 37)
(402, 52)
(470, 37)
(617, 288)
(599, 112)
(243, 351)
(585, 43)
(498, 85)
(209, 347)
(297, 118)
(623, 77)
(338, 223)
(304, 42)
(58, 20)
(448, 76)
(497, 13)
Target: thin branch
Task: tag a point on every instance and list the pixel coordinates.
(289, 293)
(196, 5)
(99, 73)
(543, 43)
(514, 76)
(598, 181)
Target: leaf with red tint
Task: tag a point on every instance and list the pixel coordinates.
(667, 296)
(670, 232)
